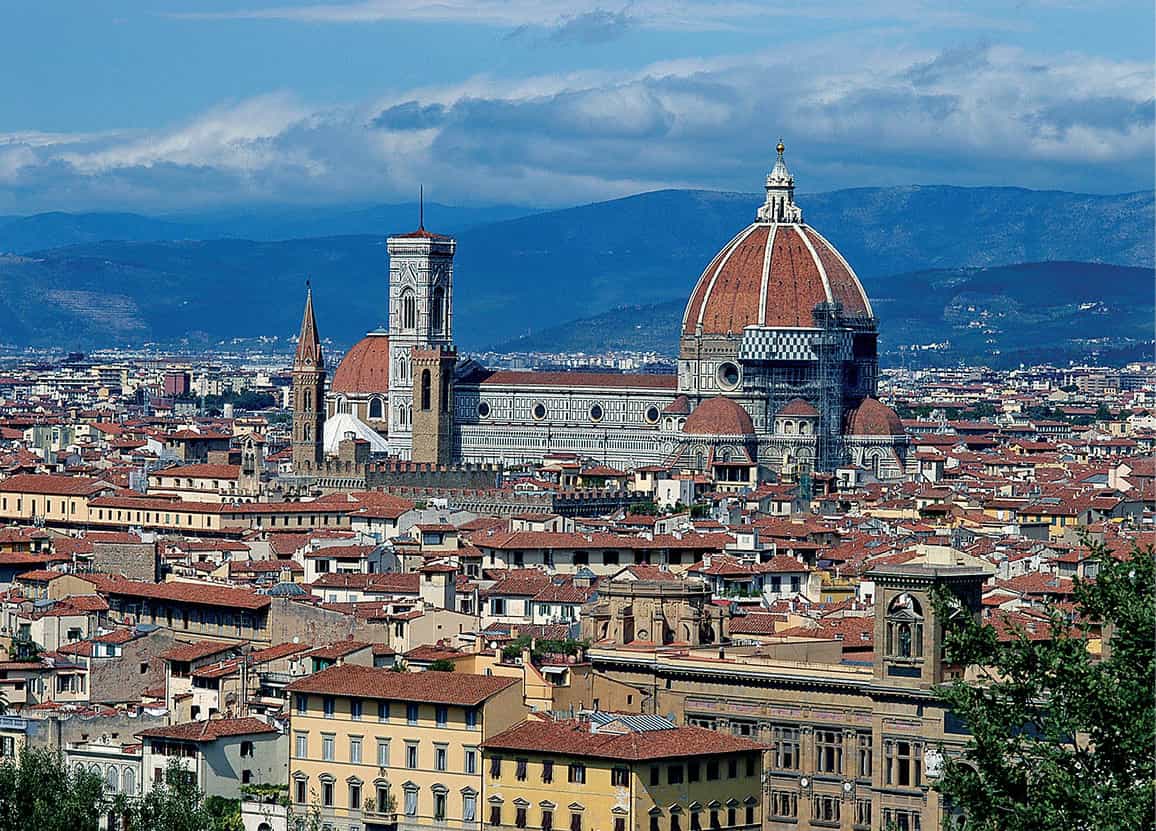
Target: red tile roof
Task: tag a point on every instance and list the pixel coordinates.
(194, 651)
(365, 367)
(53, 484)
(433, 687)
(574, 738)
(207, 731)
(201, 471)
(719, 416)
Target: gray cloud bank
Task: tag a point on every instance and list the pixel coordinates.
(982, 114)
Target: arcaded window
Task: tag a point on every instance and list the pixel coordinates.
(375, 408)
(408, 309)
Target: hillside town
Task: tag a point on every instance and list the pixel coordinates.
(405, 590)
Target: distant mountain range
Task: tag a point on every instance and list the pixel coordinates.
(1001, 316)
(23, 234)
(526, 274)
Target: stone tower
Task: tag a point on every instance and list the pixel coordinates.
(308, 396)
(433, 405)
(908, 632)
(421, 282)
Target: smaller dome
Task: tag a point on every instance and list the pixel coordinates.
(719, 417)
(365, 367)
(799, 408)
(679, 406)
(874, 418)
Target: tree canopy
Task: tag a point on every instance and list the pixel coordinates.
(1061, 738)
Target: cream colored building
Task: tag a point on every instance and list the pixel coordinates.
(373, 748)
(610, 772)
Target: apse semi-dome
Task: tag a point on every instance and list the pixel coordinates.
(365, 367)
(719, 417)
(773, 273)
(874, 418)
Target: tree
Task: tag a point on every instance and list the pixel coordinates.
(38, 790)
(441, 665)
(173, 804)
(1060, 738)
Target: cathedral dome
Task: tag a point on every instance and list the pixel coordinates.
(365, 367)
(773, 273)
(800, 408)
(719, 417)
(874, 418)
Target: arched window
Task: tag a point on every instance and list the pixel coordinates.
(375, 408)
(129, 781)
(437, 310)
(408, 309)
(425, 389)
(112, 779)
(308, 401)
(445, 393)
(905, 627)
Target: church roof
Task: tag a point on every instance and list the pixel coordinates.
(719, 417)
(874, 418)
(773, 273)
(339, 425)
(798, 407)
(365, 367)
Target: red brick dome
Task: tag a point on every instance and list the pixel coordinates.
(800, 408)
(719, 417)
(365, 367)
(772, 274)
(874, 418)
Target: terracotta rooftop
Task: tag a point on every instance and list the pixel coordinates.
(575, 738)
(207, 731)
(432, 687)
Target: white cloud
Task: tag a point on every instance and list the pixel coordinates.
(980, 114)
(599, 19)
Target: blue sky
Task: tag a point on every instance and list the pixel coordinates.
(172, 105)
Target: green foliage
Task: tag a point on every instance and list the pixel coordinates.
(441, 665)
(539, 648)
(174, 804)
(39, 791)
(700, 510)
(643, 508)
(223, 814)
(1060, 739)
(273, 794)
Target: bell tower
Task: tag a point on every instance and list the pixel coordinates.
(308, 396)
(908, 631)
(421, 285)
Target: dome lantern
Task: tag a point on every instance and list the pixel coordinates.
(780, 202)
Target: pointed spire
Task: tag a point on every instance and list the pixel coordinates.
(309, 355)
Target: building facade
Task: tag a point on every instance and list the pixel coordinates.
(373, 748)
(851, 744)
(777, 359)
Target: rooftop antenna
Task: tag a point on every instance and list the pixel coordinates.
(421, 207)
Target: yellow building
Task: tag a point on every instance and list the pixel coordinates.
(375, 748)
(614, 772)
